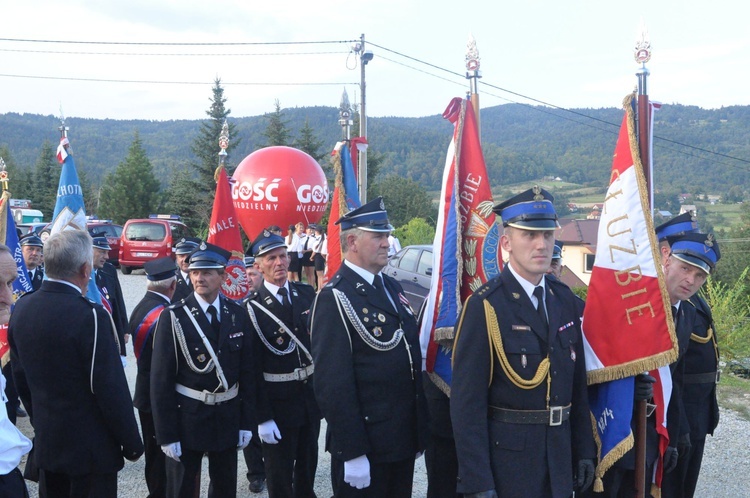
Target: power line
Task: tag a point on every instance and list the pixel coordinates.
(147, 54)
(178, 44)
(154, 82)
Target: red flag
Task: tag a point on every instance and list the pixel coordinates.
(345, 198)
(224, 231)
(466, 248)
(627, 322)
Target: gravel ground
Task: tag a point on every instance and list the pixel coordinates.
(725, 472)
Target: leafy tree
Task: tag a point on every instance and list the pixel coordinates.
(44, 181)
(730, 307)
(277, 131)
(404, 199)
(416, 231)
(307, 142)
(132, 190)
(205, 147)
(90, 192)
(735, 252)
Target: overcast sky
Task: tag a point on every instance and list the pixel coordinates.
(571, 54)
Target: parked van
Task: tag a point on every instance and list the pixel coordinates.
(149, 238)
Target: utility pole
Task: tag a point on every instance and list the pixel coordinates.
(365, 56)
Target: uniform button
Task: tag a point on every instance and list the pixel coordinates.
(554, 372)
(367, 419)
(523, 350)
(551, 349)
(556, 398)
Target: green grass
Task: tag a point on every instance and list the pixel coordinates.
(734, 394)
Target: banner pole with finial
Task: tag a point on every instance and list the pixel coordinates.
(642, 56)
(473, 74)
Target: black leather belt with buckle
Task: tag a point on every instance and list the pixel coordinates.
(556, 415)
(704, 378)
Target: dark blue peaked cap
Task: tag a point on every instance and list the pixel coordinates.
(31, 240)
(529, 210)
(557, 250)
(160, 269)
(697, 249)
(101, 243)
(208, 257)
(371, 217)
(266, 242)
(679, 225)
(186, 245)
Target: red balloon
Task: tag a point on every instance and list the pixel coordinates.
(278, 186)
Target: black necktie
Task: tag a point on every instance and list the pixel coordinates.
(674, 315)
(379, 285)
(539, 294)
(215, 325)
(285, 299)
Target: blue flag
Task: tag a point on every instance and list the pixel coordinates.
(70, 211)
(22, 283)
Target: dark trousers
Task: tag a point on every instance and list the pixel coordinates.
(222, 471)
(440, 455)
(391, 479)
(682, 481)
(620, 483)
(292, 462)
(54, 485)
(12, 485)
(254, 459)
(156, 473)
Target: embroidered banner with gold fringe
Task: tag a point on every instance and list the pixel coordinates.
(466, 248)
(627, 324)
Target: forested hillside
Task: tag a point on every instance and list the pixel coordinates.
(520, 143)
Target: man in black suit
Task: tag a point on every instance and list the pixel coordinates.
(695, 255)
(66, 364)
(32, 248)
(288, 416)
(160, 288)
(182, 252)
(203, 380)
(256, 471)
(368, 379)
(106, 279)
(519, 402)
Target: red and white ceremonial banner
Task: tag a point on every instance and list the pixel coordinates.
(627, 323)
(224, 231)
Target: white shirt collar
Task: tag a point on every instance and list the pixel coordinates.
(274, 289)
(367, 275)
(205, 304)
(527, 286)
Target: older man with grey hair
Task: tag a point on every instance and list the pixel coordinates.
(67, 368)
(368, 381)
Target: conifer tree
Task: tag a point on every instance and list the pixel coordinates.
(205, 146)
(44, 180)
(310, 144)
(132, 190)
(277, 132)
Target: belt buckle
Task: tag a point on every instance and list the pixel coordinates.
(209, 398)
(301, 373)
(555, 415)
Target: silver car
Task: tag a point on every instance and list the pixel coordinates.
(412, 268)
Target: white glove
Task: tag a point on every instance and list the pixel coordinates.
(244, 440)
(268, 432)
(357, 472)
(172, 450)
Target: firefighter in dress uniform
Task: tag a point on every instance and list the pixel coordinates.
(204, 374)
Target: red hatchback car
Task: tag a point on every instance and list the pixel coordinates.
(146, 239)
